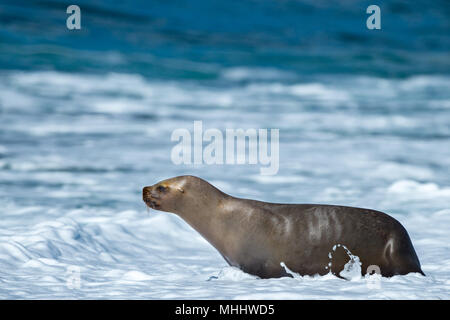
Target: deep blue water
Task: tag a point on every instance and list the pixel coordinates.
(194, 39)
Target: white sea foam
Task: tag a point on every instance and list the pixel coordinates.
(76, 150)
(244, 73)
(417, 190)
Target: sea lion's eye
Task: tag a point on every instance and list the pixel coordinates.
(160, 188)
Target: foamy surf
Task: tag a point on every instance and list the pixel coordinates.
(76, 150)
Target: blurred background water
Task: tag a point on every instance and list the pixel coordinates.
(86, 117)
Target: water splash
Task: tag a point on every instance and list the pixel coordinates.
(289, 271)
(352, 269)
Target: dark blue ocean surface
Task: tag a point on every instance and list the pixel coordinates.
(193, 39)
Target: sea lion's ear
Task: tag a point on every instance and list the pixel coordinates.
(180, 189)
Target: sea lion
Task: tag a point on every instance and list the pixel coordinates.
(258, 237)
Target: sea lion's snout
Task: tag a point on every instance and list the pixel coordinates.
(145, 193)
(151, 197)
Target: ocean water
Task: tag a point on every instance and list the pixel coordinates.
(86, 119)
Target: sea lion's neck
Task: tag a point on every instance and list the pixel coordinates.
(200, 204)
(210, 212)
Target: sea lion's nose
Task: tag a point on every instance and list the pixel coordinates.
(146, 192)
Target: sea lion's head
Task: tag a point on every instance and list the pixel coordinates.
(190, 197)
(166, 195)
(183, 195)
